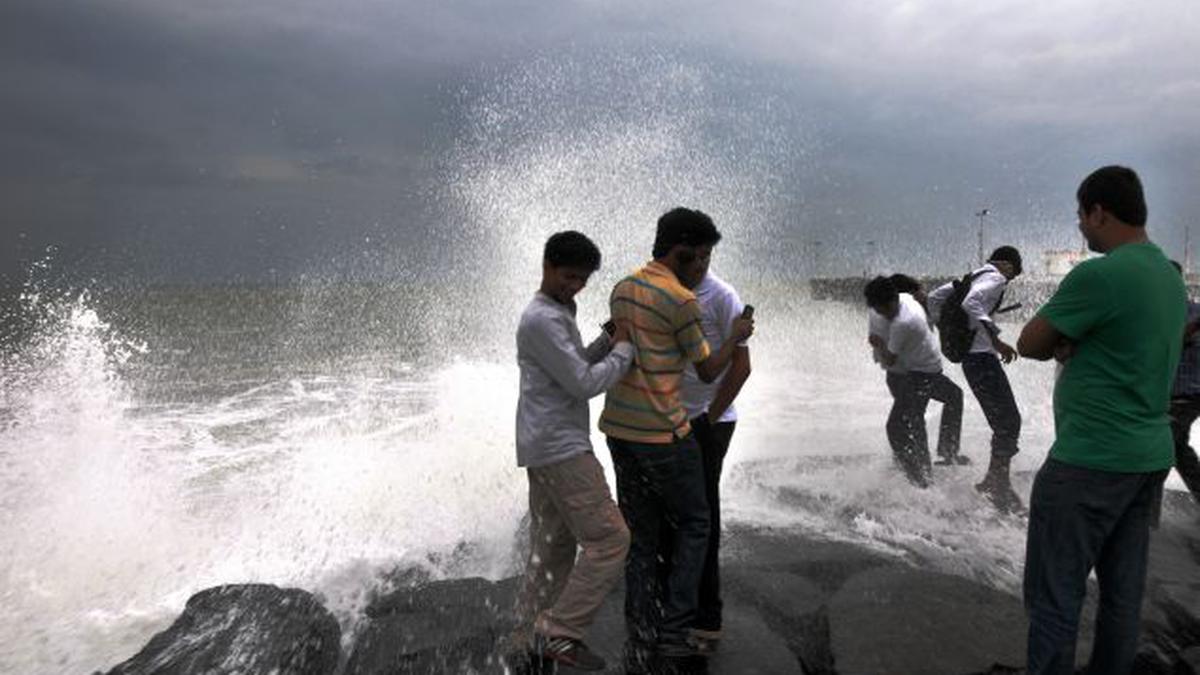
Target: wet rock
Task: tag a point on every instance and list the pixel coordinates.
(248, 628)
(439, 627)
(1171, 611)
(898, 620)
(1189, 661)
(791, 606)
(750, 646)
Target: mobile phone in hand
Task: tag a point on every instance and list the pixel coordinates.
(748, 312)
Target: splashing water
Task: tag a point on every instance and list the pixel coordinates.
(323, 435)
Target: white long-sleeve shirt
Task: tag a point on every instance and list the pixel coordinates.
(986, 292)
(558, 376)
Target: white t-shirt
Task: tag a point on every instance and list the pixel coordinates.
(878, 326)
(719, 307)
(911, 340)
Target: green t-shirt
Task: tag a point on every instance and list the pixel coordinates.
(1125, 312)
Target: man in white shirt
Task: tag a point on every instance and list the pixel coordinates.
(710, 410)
(570, 505)
(984, 372)
(904, 345)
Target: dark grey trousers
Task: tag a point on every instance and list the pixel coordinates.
(989, 383)
(911, 393)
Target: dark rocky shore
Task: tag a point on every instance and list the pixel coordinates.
(794, 604)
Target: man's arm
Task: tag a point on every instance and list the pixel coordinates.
(710, 368)
(980, 300)
(731, 384)
(550, 344)
(599, 347)
(1039, 339)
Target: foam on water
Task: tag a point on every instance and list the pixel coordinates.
(115, 513)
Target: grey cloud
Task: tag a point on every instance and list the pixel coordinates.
(209, 137)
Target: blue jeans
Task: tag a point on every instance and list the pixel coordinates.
(660, 486)
(990, 385)
(1079, 520)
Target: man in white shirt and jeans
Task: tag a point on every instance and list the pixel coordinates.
(904, 344)
(710, 409)
(570, 504)
(984, 372)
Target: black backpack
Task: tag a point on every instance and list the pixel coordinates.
(953, 324)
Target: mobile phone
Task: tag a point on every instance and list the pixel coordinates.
(748, 312)
(609, 327)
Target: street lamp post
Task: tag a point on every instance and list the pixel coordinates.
(980, 215)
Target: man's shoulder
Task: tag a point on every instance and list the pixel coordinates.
(666, 285)
(988, 273)
(1088, 271)
(911, 311)
(539, 313)
(715, 291)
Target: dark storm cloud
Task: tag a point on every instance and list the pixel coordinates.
(225, 138)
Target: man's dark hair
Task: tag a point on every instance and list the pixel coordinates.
(1007, 254)
(1177, 266)
(687, 227)
(1118, 190)
(572, 249)
(880, 291)
(905, 284)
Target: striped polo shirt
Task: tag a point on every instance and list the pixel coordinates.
(645, 406)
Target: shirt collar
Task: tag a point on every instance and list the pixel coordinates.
(660, 269)
(568, 308)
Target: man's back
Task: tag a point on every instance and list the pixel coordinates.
(645, 406)
(1125, 313)
(911, 340)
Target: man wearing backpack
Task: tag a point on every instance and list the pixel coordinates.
(982, 362)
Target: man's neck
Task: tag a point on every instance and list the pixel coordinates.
(668, 263)
(1130, 235)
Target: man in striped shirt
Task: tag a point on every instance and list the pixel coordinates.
(660, 475)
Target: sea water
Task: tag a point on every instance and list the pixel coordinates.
(160, 441)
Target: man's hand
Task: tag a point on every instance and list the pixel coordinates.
(1064, 350)
(743, 328)
(621, 334)
(1189, 330)
(1007, 353)
(876, 342)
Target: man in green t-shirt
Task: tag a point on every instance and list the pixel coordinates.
(1114, 323)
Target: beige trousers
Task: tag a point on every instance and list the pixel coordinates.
(570, 506)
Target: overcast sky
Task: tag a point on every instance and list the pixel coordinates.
(176, 140)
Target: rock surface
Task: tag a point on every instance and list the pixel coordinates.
(793, 604)
(249, 628)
